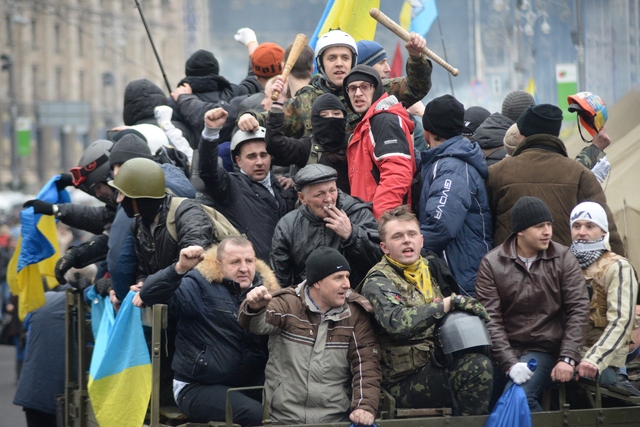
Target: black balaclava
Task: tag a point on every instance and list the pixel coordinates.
(329, 132)
(147, 208)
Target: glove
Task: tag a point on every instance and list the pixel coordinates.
(470, 305)
(64, 264)
(520, 373)
(39, 206)
(103, 286)
(80, 284)
(602, 169)
(66, 179)
(163, 114)
(246, 36)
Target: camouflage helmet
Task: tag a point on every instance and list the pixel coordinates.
(93, 166)
(140, 178)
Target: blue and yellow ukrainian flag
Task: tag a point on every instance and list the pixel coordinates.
(351, 16)
(532, 90)
(418, 15)
(120, 372)
(37, 252)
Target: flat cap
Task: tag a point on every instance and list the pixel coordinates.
(314, 174)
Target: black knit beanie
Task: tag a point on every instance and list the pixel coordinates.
(323, 262)
(527, 212)
(202, 63)
(444, 117)
(542, 118)
(129, 147)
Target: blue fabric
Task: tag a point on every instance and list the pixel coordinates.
(455, 218)
(540, 380)
(512, 410)
(35, 246)
(224, 152)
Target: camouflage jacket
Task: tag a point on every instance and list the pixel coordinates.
(611, 310)
(404, 320)
(589, 156)
(297, 111)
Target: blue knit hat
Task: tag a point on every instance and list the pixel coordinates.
(370, 53)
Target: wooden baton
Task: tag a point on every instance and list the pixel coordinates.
(404, 35)
(298, 44)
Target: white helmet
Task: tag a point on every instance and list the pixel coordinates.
(335, 38)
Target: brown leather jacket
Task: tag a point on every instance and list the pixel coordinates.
(545, 309)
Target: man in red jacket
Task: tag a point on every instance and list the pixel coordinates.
(380, 153)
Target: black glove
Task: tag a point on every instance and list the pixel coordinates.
(470, 305)
(102, 286)
(39, 206)
(64, 264)
(66, 179)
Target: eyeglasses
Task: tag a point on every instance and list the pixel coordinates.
(364, 87)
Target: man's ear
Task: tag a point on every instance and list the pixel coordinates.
(301, 198)
(384, 248)
(236, 158)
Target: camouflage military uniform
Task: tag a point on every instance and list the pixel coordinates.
(405, 324)
(297, 111)
(589, 156)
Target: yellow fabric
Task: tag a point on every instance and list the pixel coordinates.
(352, 17)
(27, 283)
(418, 275)
(405, 15)
(109, 406)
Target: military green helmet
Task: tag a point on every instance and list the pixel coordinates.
(140, 178)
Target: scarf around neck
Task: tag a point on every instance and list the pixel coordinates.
(588, 251)
(418, 275)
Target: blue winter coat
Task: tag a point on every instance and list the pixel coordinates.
(455, 218)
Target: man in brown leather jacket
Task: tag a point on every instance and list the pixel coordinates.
(535, 294)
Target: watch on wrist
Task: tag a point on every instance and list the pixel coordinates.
(56, 211)
(568, 360)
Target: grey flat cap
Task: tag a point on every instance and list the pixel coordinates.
(314, 174)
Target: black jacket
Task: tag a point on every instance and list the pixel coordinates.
(247, 204)
(157, 250)
(93, 219)
(490, 137)
(211, 346)
(300, 232)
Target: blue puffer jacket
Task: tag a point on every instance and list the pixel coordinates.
(455, 218)
(211, 346)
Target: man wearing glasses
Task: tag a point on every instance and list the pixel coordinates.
(380, 153)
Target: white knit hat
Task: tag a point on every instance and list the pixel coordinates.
(590, 211)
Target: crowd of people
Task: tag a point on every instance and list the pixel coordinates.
(316, 243)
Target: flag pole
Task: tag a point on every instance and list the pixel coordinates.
(153, 46)
(444, 51)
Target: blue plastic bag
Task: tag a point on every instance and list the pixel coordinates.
(512, 409)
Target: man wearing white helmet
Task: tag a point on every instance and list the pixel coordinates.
(253, 200)
(613, 286)
(336, 53)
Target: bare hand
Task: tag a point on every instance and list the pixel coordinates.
(258, 298)
(587, 370)
(248, 123)
(360, 417)
(119, 128)
(215, 118)
(114, 300)
(280, 86)
(601, 139)
(137, 301)
(338, 221)
(415, 45)
(184, 89)
(136, 287)
(189, 258)
(285, 182)
(562, 372)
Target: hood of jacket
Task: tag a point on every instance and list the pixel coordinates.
(460, 148)
(211, 272)
(202, 84)
(544, 142)
(140, 98)
(490, 134)
(369, 71)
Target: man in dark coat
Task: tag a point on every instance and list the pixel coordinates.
(253, 200)
(213, 352)
(327, 217)
(455, 219)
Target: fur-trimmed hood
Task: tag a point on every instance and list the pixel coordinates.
(211, 272)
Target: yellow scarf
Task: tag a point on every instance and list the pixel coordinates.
(418, 275)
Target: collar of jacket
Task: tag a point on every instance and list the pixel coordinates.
(211, 272)
(542, 141)
(508, 249)
(338, 313)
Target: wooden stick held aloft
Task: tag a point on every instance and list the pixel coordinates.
(298, 44)
(404, 35)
